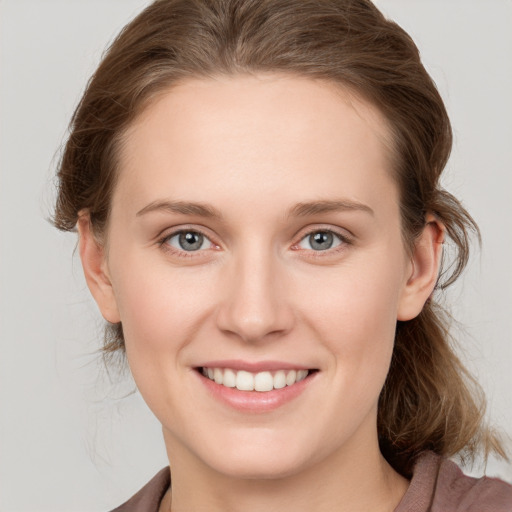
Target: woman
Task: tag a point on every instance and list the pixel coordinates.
(256, 190)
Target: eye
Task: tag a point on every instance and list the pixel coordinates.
(189, 241)
(321, 240)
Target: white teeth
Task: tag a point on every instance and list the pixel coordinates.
(279, 379)
(261, 381)
(301, 375)
(244, 381)
(229, 378)
(291, 377)
(218, 375)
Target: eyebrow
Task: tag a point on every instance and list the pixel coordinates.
(299, 210)
(183, 207)
(326, 206)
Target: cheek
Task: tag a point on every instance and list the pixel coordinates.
(355, 298)
(161, 311)
(355, 316)
(160, 307)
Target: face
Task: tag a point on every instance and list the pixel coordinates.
(255, 240)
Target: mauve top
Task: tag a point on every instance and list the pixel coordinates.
(437, 485)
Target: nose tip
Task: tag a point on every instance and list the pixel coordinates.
(255, 307)
(253, 326)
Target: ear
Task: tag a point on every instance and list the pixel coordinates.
(425, 264)
(94, 263)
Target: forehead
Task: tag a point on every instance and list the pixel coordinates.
(263, 132)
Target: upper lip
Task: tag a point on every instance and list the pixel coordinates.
(254, 366)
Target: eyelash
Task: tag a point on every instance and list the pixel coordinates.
(162, 242)
(343, 239)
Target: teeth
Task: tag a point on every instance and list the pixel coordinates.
(279, 379)
(218, 375)
(229, 378)
(291, 377)
(261, 381)
(301, 375)
(244, 381)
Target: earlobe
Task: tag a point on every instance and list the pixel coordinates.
(92, 255)
(425, 265)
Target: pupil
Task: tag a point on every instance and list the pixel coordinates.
(191, 241)
(321, 240)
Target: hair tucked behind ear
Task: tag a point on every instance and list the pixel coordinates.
(429, 401)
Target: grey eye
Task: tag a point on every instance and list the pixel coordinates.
(189, 241)
(320, 241)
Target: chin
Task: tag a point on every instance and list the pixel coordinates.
(260, 460)
(260, 468)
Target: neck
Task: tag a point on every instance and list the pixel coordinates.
(349, 480)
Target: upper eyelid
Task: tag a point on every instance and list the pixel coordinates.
(343, 233)
(180, 231)
(168, 233)
(334, 232)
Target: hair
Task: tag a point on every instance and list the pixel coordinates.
(429, 401)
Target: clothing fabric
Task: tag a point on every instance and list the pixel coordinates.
(437, 485)
(148, 499)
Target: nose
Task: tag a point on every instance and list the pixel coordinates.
(254, 305)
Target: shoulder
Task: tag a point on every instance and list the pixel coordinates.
(438, 485)
(455, 489)
(149, 497)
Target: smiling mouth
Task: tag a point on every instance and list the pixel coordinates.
(261, 381)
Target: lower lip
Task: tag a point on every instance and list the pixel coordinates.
(256, 401)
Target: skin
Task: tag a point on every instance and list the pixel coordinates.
(252, 148)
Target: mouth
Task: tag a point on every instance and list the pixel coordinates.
(256, 387)
(262, 382)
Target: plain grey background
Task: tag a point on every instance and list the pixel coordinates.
(68, 440)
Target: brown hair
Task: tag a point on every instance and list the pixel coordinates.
(429, 401)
